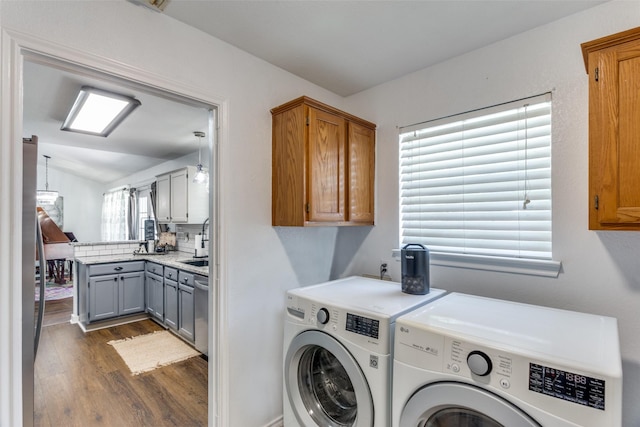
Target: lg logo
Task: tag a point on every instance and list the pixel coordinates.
(403, 329)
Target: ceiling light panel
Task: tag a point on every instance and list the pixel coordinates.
(98, 112)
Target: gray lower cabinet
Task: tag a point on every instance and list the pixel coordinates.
(115, 289)
(131, 293)
(155, 290)
(171, 298)
(186, 313)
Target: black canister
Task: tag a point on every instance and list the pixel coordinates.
(415, 269)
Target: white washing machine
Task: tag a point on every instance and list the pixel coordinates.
(471, 361)
(338, 341)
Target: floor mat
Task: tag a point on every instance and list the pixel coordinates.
(147, 352)
(53, 291)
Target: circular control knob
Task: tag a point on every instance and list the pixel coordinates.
(479, 363)
(323, 316)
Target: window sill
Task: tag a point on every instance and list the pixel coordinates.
(529, 267)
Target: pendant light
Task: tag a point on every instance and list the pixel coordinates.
(201, 176)
(45, 196)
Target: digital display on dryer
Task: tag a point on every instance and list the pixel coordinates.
(568, 386)
(363, 325)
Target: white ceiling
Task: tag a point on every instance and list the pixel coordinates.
(343, 46)
(157, 131)
(350, 46)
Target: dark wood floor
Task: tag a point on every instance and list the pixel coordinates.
(56, 311)
(80, 380)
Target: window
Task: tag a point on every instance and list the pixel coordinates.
(115, 208)
(145, 212)
(143, 207)
(477, 186)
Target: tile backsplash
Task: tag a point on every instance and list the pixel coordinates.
(104, 248)
(185, 242)
(186, 237)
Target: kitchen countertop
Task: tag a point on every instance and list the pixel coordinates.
(170, 259)
(117, 242)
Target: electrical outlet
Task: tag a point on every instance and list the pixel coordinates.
(383, 269)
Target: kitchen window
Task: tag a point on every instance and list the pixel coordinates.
(475, 188)
(145, 211)
(116, 209)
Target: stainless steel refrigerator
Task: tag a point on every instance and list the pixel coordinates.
(31, 243)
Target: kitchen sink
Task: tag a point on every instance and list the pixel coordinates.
(197, 262)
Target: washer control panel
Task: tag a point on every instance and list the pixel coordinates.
(363, 325)
(367, 331)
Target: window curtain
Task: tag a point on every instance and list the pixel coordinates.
(115, 211)
(132, 216)
(154, 196)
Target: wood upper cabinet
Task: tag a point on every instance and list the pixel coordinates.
(613, 65)
(323, 166)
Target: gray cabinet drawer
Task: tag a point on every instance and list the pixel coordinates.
(115, 268)
(171, 273)
(185, 278)
(154, 268)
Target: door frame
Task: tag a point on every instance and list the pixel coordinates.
(16, 335)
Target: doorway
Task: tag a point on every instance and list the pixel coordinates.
(212, 140)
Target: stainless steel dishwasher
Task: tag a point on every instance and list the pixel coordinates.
(201, 308)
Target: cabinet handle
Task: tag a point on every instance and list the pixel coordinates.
(118, 268)
(115, 279)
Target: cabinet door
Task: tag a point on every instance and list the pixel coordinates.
(103, 297)
(131, 293)
(179, 201)
(171, 304)
(614, 137)
(163, 198)
(288, 168)
(361, 173)
(155, 297)
(326, 162)
(186, 312)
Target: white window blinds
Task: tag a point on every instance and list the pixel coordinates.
(480, 183)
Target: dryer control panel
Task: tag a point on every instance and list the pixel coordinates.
(580, 389)
(483, 364)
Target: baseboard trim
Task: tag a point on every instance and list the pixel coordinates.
(278, 422)
(112, 322)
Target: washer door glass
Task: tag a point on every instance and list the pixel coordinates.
(324, 383)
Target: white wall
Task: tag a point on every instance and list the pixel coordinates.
(258, 267)
(82, 205)
(148, 175)
(601, 272)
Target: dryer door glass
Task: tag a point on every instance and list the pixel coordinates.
(453, 404)
(460, 417)
(325, 388)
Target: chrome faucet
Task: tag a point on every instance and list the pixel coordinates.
(204, 236)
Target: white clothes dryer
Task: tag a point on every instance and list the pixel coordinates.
(472, 361)
(338, 341)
